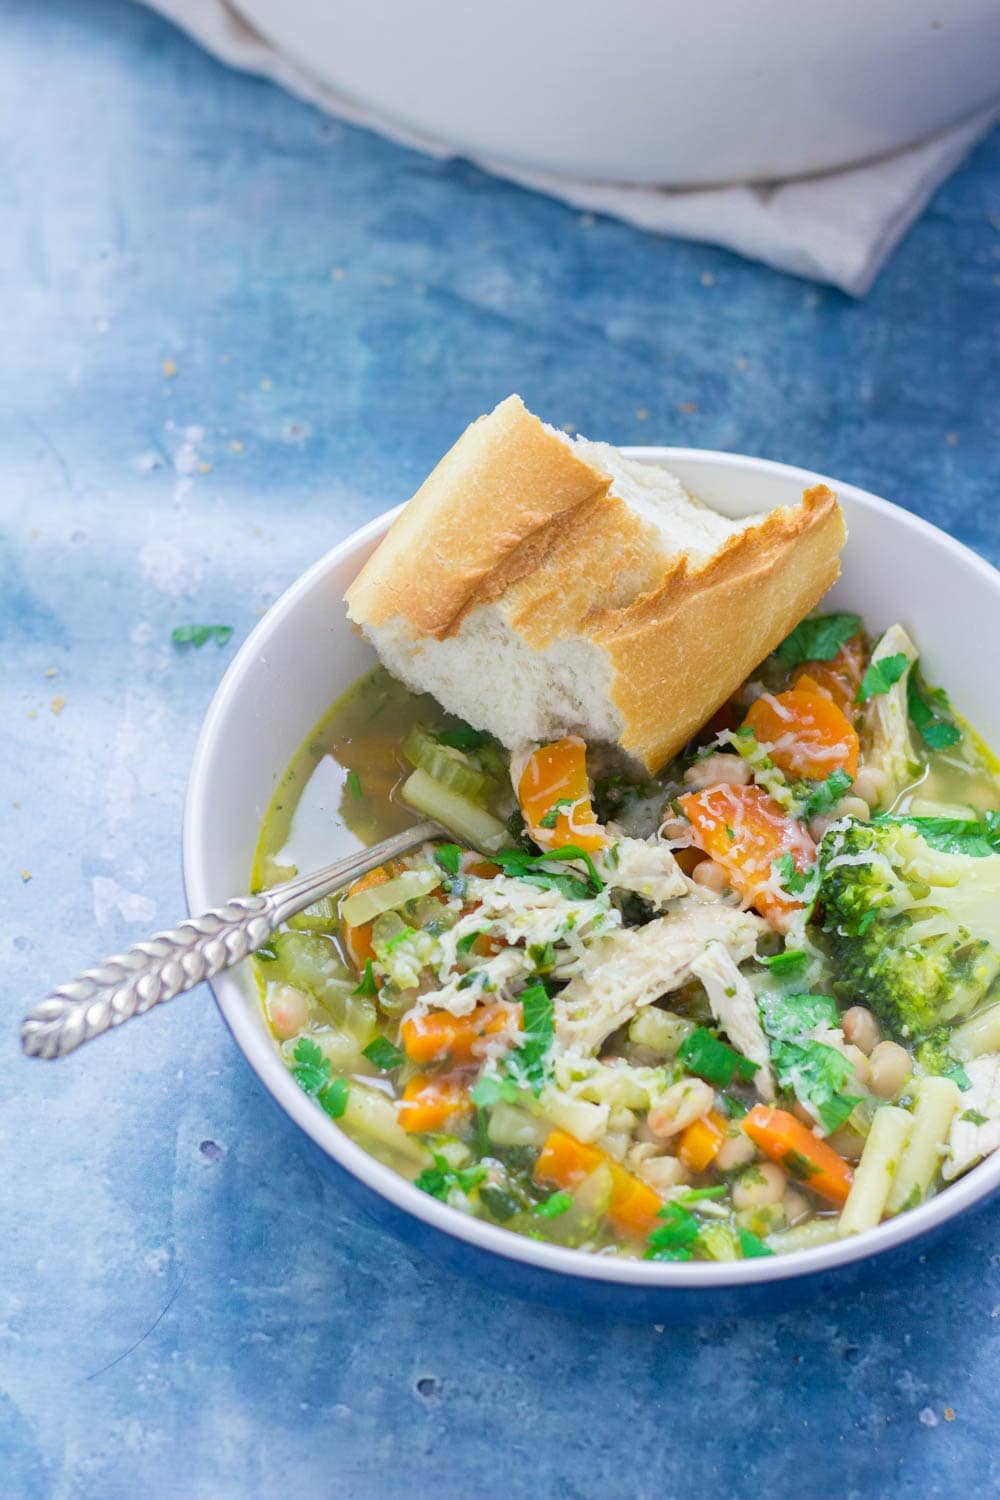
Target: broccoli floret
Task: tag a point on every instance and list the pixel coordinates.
(914, 930)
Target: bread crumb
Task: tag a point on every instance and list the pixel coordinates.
(58, 704)
(204, 468)
(707, 279)
(951, 438)
(169, 369)
(25, 876)
(949, 1414)
(687, 407)
(236, 445)
(51, 672)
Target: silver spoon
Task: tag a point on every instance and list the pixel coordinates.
(169, 963)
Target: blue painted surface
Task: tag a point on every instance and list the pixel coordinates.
(185, 1309)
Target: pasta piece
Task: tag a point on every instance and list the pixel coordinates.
(937, 1101)
(875, 1171)
(981, 1034)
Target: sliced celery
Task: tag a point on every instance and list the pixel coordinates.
(456, 813)
(445, 764)
(366, 905)
(311, 963)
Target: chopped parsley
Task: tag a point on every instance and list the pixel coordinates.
(978, 838)
(555, 1205)
(466, 943)
(441, 1179)
(368, 986)
(550, 819)
(312, 1074)
(825, 794)
(449, 857)
(491, 1089)
(400, 937)
(675, 1237)
(817, 639)
(795, 881)
(354, 784)
(197, 635)
(703, 1054)
(790, 1018)
(792, 961)
(462, 737)
(266, 954)
(882, 675)
(958, 1075)
(817, 1075)
(526, 1064)
(543, 956)
(383, 1054)
(930, 713)
(535, 869)
(974, 1117)
(751, 1246)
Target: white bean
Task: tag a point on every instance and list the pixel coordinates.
(890, 1068)
(718, 770)
(797, 1206)
(679, 1106)
(851, 807)
(869, 784)
(736, 1151)
(861, 1028)
(288, 1010)
(761, 1184)
(663, 1173)
(710, 875)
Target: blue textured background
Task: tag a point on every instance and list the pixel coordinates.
(181, 1318)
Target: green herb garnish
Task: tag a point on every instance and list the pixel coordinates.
(825, 794)
(462, 737)
(312, 1074)
(449, 857)
(703, 1054)
(790, 1018)
(552, 816)
(974, 1117)
(930, 713)
(675, 1237)
(792, 961)
(881, 675)
(383, 1054)
(440, 1179)
(466, 943)
(794, 880)
(817, 639)
(354, 784)
(752, 1246)
(526, 1064)
(368, 985)
(553, 1206)
(266, 954)
(817, 1075)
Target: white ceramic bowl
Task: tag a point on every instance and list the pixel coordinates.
(304, 653)
(656, 91)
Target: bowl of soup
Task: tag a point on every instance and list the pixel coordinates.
(662, 1171)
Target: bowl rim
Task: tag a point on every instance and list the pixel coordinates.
(263, 1056)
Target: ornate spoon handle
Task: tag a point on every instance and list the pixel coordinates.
(171, 962)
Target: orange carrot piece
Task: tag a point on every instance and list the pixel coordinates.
(701, 1142)
(745, 830)
(812, 1162)
(439, 1036)
(564, 1162)
(430, 1103)
(840, 678)
(806, 733)
(358, 940)
(557, 773)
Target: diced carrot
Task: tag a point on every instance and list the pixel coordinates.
(803, 1155)
(840, 678)
(565, 1162)
(358, 940)
(484, 868)
(806, 733)
(745, 830)
(430, 1103)
(439, 1036)
(701, 1141)
(556, 774)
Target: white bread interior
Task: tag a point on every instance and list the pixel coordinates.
(539, 586)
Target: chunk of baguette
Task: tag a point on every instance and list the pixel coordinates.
(540, 586)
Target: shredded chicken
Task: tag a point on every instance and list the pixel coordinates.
(734, 1006)
(631, 968)
(885, 738)
(648, 869)
(968, 1141)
